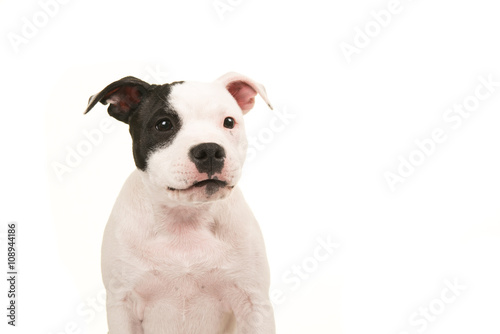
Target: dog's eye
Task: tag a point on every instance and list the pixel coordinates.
(164, 125)
(229, 122)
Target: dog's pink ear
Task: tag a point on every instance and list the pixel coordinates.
(243, 89)
(124, 96)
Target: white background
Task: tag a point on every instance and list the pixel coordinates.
(320, 177)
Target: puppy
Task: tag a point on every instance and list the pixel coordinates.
(182, 252)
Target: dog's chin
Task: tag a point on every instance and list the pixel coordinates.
(202, 191)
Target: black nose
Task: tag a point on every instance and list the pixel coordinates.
(208, 158)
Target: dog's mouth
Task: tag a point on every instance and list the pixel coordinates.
(212, 186)
(210, 182)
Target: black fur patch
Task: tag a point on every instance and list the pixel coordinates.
(142, 106)
(146, 138)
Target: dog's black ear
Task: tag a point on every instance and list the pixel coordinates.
(124, 96)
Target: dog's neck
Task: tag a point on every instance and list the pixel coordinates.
(180, 219)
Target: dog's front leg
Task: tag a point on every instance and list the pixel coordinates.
(122, 316)
(254, 314)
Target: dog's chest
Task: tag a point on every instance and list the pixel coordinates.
(186, 263)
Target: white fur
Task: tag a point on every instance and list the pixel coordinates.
(184, 262)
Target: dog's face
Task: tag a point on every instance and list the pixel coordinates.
(195, 143)
(188, 137)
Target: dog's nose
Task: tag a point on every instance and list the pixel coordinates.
(208, 158)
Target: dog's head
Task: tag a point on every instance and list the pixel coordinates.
(188, 137)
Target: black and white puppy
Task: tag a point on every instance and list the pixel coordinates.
(182, 252)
